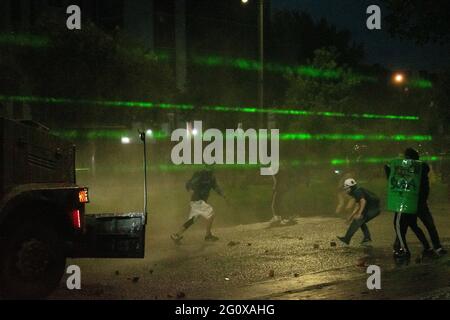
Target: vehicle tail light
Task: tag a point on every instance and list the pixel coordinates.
(76, 219)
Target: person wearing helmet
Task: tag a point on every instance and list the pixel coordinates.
(345, 202)
(201, 183)
(423, 213)
(367, 208)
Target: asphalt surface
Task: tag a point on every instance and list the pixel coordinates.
(301, 261)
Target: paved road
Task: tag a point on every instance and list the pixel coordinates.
(257, 262)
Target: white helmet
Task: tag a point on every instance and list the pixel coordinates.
(348, 183)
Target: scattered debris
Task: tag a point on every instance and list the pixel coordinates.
(227, 279)
(332, 244)
(232, 243)
(134, 279)
(316, 246)
(151, 271)
(181, 295)
(117, 272)
(266, 251)
(271, 273)
(296, 275)
(300, 238)
(249, 244)
(362, 262)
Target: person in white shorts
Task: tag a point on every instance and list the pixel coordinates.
(201, 184)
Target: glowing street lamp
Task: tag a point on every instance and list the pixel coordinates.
(149, 132)
(244, 1)
(399, 78)
(125, 140)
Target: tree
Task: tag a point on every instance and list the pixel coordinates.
(294, 36)
(321, 93)
(421, 20)
(86, 65)
(292, 39)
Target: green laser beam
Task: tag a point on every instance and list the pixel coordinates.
(137, 104)
(296, 112)
(24, 40)
(374, 160)
(62, 101)
(217, 108)
(161, 135)
(253, 65)
(420, 83)
(355, 137)
(293, 163)
(39, 41)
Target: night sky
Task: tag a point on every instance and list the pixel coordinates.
(379, 46)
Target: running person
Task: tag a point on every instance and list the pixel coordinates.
(201, 184)
(368, 207)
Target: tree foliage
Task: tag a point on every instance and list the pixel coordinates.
(319, 94)
(294, 36)
(88, 64)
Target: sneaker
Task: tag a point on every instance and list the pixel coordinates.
(344, 240)
(402, 255)
(176, 238)
(441, 252)
(211, 238)
(275, 219)
(366, 242)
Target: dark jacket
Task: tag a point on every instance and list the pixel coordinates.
(201, 183)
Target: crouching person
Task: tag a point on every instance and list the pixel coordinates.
(367, 208)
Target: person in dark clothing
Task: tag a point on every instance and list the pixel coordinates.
(423, 213)
(401, 223)
(282, 183)
(201, 183)
(368, 207)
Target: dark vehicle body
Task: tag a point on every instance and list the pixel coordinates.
(42, 214)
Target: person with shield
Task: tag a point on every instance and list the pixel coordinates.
(404, 219)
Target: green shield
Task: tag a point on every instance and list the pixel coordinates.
(404, 185)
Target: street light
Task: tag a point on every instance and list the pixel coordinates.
(125, 140)
(399, 78)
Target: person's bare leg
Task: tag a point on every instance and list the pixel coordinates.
(176, 237)
(186, 226)
(209, 223)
